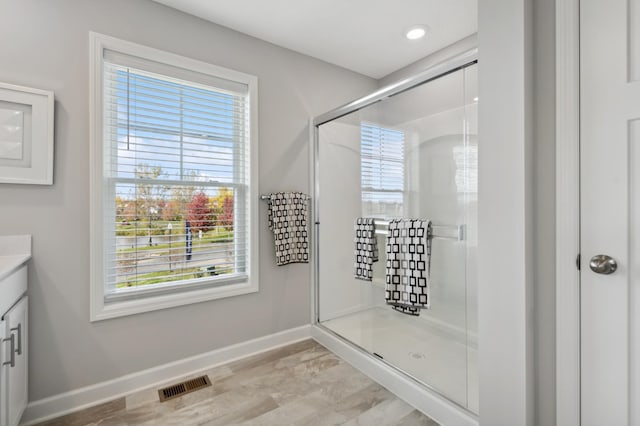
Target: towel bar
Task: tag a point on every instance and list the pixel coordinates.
(266, 197)
(443, 232)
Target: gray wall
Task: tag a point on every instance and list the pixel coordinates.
(441, 55)
(44, 44)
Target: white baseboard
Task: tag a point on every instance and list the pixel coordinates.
(78, 399)
(435, 406)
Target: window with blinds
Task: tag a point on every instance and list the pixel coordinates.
(175, 178)
(381, 170)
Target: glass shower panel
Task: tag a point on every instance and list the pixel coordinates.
(413, 155)
(470, 166)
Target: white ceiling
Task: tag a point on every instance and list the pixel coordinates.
(366, 36)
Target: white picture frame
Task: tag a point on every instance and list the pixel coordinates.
(26, 135)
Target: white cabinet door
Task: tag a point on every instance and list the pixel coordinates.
(16, 326)
(610, 211)
(4, 351)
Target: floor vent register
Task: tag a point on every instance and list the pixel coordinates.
(183, 388)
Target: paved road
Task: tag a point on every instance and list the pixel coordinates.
(156, 262)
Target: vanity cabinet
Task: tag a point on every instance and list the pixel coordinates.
(13, 346)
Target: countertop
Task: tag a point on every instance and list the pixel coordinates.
(15, 250)
(8, 264)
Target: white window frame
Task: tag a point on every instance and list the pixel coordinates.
(149, 300)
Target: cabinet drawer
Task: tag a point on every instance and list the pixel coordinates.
(12, 288)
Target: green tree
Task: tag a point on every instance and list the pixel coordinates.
(181, 196)
(226, 216)
(150, 193)
(222, 208)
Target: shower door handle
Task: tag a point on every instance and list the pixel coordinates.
(603, 264)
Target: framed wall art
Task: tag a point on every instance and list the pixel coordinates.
(26, 135)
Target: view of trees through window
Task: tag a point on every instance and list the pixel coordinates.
(168, 233)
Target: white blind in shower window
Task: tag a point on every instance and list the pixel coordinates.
(176, 179)
(382, 170)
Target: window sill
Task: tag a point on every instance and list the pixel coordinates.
(118, 308)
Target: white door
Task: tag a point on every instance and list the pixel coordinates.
(610, 211)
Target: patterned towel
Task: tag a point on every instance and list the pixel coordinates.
(408, 265)
(288, 221)
(366, 248)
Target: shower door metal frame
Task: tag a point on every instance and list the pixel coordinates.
(456, 63)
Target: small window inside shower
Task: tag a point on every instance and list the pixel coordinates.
(382, 166)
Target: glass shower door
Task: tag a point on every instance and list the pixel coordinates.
(414, 156)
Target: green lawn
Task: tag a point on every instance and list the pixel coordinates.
(161, 276)
(158, 227)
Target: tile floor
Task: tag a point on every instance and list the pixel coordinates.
(299, 384)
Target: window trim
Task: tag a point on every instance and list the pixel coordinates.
(99, 310)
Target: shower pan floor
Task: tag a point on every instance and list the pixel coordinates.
(425, 351)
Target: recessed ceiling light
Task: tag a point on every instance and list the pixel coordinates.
(416, 32)
(475, 99)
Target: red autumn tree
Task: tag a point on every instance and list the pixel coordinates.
(199, 213)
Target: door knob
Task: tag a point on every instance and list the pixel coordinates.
(603, 264)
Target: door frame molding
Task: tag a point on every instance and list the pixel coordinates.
(567, 212)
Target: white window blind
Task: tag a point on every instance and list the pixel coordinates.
(382, 170)
(175, 178)
(466, 159)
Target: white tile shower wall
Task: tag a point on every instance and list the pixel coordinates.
(340, 203)
(436, 141)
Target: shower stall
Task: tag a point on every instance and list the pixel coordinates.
(410, 151)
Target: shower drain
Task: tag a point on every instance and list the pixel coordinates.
(417, 355)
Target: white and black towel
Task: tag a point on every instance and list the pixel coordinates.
(366, 248)
(288, 221)
(408, 265)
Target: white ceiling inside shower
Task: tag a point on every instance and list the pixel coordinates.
(366, 36)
